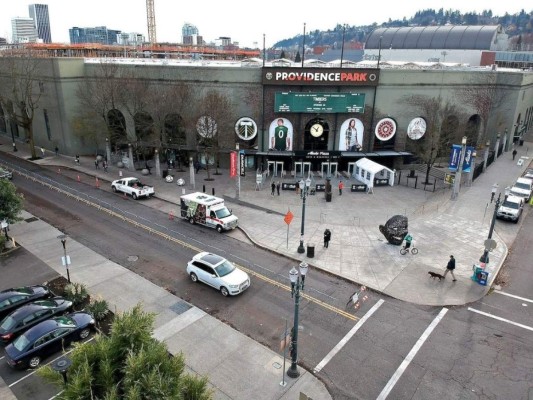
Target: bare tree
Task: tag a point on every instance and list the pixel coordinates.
(21, 89)
(214, 119)
(483, 94)
(441, 130)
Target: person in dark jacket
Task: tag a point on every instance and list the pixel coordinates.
(327, 238)
(450, 267)
(273, 187)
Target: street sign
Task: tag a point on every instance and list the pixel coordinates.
(449, 179)
(288, 217)
(63, 261)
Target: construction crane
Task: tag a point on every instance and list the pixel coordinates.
(150, 15)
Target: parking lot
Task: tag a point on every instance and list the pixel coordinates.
(20, 268)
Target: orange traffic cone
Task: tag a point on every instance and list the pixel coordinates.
(171, 215)
(97, 183)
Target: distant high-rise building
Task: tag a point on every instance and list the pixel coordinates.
(98, 34)
(39, 13)
(189, 35)
(23, 29)
(131, 39)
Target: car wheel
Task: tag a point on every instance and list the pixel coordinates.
(114, 188)
(191, 221)
(194, 278)
(84, 333)
(134, 196)
(224, 291)
(34, 362)
(219, 229)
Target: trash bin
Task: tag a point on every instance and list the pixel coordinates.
(310, 250)
(328, 197)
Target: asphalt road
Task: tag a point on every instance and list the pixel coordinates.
(386, 348)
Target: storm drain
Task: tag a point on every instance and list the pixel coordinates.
(180, 307)
(32, 219)
(132, 258)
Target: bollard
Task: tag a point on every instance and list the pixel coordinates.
(120, 173)
(79, 180)
(59, 170)
(204, 189)
(97, 183)
(213, 191)
(171, 215)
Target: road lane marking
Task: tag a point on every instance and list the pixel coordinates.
(529, 328)
(187, 245)
(513, 296)
(53, 397)
(405, 363)
(347, 337)
(1, 358)
(50, 362)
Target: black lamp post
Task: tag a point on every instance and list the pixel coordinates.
(66, 259)
(304, 191)
(297, 284)
(485, 257)
(62, 366)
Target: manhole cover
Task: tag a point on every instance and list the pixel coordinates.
(133, 258)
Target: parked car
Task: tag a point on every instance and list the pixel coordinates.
(48, 337)
(511, 208)
(5, 174)
(13, 298)
(219, 273)
(28, 315)
(522, 188)
(132, 186)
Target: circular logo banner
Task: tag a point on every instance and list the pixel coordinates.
(416, 128)
(246, 128)
(206, 126)
(385, 129)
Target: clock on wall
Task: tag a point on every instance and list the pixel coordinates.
(316, 130)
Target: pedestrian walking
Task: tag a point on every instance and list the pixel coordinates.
(278, 185)
(450, 267)
(514, 153)
(327, 238)
(42, 151)
(341, 186)
(96, 164)
(273, 187)
(494, 190)
(57, 151)
(104, 164)
(77, 159)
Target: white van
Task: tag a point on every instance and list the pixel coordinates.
(203, 209)
(522, 188)
(511, 208)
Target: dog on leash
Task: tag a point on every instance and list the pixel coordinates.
(435, 275)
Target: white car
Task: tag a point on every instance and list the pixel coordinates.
(511, 208)
(133, 187)
(522, 188)
(219, 273)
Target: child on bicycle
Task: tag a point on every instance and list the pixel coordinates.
(408, 239)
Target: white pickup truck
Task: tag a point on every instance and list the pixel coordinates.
(133, 187)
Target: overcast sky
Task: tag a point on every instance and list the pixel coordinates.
(243, 21)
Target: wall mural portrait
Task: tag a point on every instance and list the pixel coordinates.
(280, 135)
(351, 135)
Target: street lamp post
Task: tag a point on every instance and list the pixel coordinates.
(297, 284)
(485, 257)
(304, 191)
(66, 259)
(457, 182)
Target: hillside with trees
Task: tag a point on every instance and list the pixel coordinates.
(518, 26)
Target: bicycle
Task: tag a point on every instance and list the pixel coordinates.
(404, 251)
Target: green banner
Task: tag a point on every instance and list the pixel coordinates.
(319, 102)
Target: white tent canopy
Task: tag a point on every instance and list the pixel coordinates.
(367, 171)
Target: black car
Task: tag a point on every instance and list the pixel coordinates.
(15, 297)
(48, 337)
(31, 314)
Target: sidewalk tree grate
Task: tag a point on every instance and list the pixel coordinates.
(180, 307)
(32, 219)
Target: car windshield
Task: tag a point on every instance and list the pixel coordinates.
(65, 321)
(222, 213)
(21, 343)
(524, 186)
(516, 193)
(510, 204)
(225, 268)
(8, 323)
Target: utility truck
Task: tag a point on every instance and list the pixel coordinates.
(203, 209)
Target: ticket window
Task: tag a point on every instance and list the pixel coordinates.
(351, 169)
(298, 169)
(279, 168)
(271, 168)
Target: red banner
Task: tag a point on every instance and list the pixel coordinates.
(233, 164)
